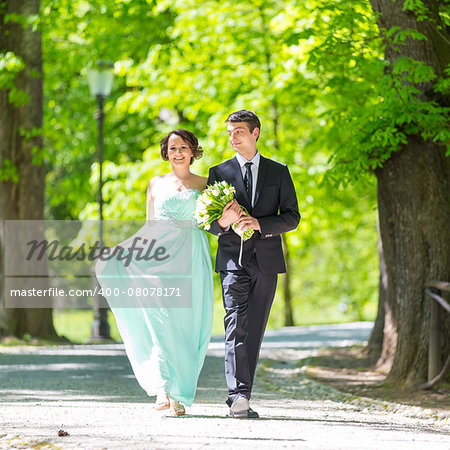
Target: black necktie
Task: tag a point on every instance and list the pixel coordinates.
(248, 180)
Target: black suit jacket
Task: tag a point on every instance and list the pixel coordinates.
(276, 209)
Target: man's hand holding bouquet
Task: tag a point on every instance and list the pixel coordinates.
(217, 202)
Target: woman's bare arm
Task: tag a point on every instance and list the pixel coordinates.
(150, 212)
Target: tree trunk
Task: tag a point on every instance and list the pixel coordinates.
(275, 115)
(388, 336)
(414, 222)
(288, 314)
(414, 212)
(375, 343)
(22, 198)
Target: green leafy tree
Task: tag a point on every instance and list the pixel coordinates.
(75, 35)
(21, 151)
(221, 57)
(413, 174)
(399, 131)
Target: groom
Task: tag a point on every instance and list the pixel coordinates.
(249, 273)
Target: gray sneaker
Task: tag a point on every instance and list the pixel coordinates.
(240, 409)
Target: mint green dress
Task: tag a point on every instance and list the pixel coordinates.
(165, 344)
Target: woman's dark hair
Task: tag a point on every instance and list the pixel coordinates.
(249, 117)
(187, 137)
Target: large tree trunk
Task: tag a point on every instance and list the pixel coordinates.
(414, 221)
(414, 211)
(22, 198)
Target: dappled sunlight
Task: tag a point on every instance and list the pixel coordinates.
(90, 391)
(20, 395)
(52, 367)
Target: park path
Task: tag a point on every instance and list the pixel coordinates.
(90, 392)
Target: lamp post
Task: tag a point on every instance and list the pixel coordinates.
(100, 78)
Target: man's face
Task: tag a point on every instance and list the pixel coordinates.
(240, 137)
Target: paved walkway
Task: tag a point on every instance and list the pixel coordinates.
(90, 392)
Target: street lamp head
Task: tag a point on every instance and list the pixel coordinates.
(100, 78)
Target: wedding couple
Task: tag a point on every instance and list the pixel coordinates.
(167, 346)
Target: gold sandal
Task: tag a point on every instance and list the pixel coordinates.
(162, 401)
(177, 408)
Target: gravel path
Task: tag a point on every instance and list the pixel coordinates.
(90, 392)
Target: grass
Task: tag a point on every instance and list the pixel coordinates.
(75, 324)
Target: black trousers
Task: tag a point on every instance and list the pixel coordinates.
(247, 297)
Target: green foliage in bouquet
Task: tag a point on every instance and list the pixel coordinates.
(211, 203)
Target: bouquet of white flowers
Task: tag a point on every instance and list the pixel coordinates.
(210, 205)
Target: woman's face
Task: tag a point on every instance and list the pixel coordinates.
(178, 151)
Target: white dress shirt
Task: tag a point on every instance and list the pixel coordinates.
(254, 168)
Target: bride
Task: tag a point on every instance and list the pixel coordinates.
(166, 342)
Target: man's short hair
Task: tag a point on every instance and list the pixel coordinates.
(249, 117)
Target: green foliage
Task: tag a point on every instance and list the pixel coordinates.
(332, 108)
(29, 134)
(418, 8)
(39, 155)
(237, 56)
(32, 20)
(10, 66)
(397, 35)
(375, 104)
(8, 171)
(335, 269)
(75, 325)
(76, 33)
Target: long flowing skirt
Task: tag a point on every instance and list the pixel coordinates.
(166, 345)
